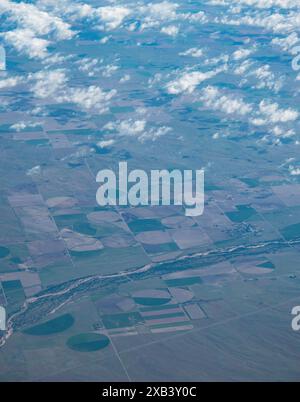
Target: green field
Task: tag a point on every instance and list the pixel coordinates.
(59, 324)
(4, 252)
(88, 342)
(14, 294)
(244, 213)
(144, 225)
(291, 232)
(151, 301)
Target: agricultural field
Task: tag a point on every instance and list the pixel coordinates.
(145, 292)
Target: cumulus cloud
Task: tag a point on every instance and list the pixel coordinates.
(285, 4)
(242, 54)
(243, 67)
(188, 81)
(28, 16)
(112, 16)
(271, 113)
(90, 98)
(109, 70)
(277, 22)
(104, 17)
(24, 41)
(34, 171)
(125, 78)
(221, 59)
(171, 30)
(266, 78)
(137, 129)
(262, 75)
(127, 127)
(282, 133)
(215, 100)
(47, 83)
(10, 82)
(52, 85)
(105, 143)
(288, 42)
(193, 52)
(73, 11)
(34, 29)
(159, 11)
(22, 125)
(89, 66)
(155, 14)
(294, 171)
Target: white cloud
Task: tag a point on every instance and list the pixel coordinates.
(287, 42)
(90, 98)
(195, 17)
(112, 16)
(285, 4)
(215, 100)
(28, 16)
(193, 52)
(106, 143)
(22, 125)
(35, 171)
(154, 14)
(105, 17)
(294, 171)
(137, 128)
(171, 30)
(128, 127)
(266, 79)
(25, 42)
(105, 39)
(10, 82)
(109, 70)
(283, 23)
(188, 81)
(243, 68)
(242, 54)
(55, 59)
(66, 8)
(270, 113)
(53, 86)
(48, 83)
(283, 133)
(125, 78)
(160, 11)
(223, 59)
(89, 66)
(34, 29)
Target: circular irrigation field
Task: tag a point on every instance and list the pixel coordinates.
(59, 324)
(88, 342)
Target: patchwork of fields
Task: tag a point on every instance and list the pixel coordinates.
(146, 293)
